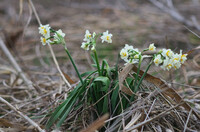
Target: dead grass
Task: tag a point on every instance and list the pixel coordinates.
(156, 108)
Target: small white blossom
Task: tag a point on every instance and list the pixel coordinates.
(130, 55)
(93, 47)
(88, 36)
(85, 46)
(167, 53)
(176, 64)
(45, 30)
(158, 60)
(136, 56)
(60, 33)
(167, 64)
(124, 54)
(183, 57)
(94, 35)
(128, 47)
(176, 61)
(44, 41)
(152, 47)
(106, 37)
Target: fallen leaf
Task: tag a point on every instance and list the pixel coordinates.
(96, 124)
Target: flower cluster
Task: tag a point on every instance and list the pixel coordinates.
(90, 39)
(130, 54)
(167, 59)
(45, 31)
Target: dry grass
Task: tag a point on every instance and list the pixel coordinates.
(154, 110)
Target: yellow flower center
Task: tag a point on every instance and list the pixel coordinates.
(42, 27)
(183, 55)
(44, 40)
(45, 31)
(169, 65)
(156, 61)
(107, 37)
(136, 57)
(168, 53)
(89, 36)
(176, 59)
(151, 48)
(124, 54)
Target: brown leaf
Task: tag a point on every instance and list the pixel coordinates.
(68, 78)
(192, 50)
(96, 124)
(122, 76)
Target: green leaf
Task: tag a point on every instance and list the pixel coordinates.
(105, 105)
(87, 73)
(59, 110)
(94, 65)
(67, 110)
(115, 96)
(105, 82)
(93, 58)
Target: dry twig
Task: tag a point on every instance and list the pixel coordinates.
(50, 48)
(15, 65)
(22, 115)
(171, 10)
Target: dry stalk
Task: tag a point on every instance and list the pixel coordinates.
(15, 64)
(22, 115)
(50, 48)
(171, 10)
(154, 118)
(185, 127)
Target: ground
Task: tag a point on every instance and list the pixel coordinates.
(131, 22)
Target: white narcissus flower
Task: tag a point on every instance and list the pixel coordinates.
(167, 64)
(94, 35)
(124, 53)
(176, 61)
(60, 33)
(44, 30)
(130, 55)
(93, 47)
(176, 64)
(128, 47)
(152, 47)
(183, 57)
(158, 60)
(106, 37)
(85, 46)
(167, 53)
(44, 41)
(136, 56)
(87, 36)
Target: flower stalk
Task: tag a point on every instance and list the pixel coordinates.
(74, 65)
(97, 61)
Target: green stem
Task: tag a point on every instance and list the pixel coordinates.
(102, 67)
(138, 70)
(141, 79)
(74, 65)
(97, 62)
(143, 76)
